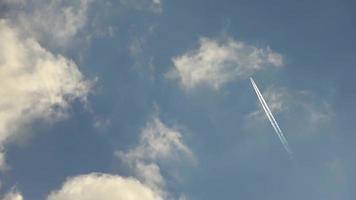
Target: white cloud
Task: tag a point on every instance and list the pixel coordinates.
(35, 84)
(301, 109)
(218, 62)
(157, 1)
(55, 22)
(13, 195)
(149, 173)
(154, 6)
(157, 143)
(103, 186)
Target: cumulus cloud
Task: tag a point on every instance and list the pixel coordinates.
(217, 62)
(157, 142)
(35, 84)
(103, 186)
(13, 195)
(295, 105)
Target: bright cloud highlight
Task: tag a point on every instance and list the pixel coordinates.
(217, 62)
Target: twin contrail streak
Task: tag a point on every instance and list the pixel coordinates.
(271, 118)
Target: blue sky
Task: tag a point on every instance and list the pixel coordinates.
(151, 99)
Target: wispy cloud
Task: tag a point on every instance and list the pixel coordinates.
(54, 22)
(143, 62)
(155, 6)
(301, 109)
(217, 62)
(157, 143)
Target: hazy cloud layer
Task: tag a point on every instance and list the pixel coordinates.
(217, 62)
(103, 186)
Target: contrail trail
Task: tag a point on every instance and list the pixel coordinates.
(269, 114)
(271, 118)
(266, 111)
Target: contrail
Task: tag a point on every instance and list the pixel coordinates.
(271, 118)
(269, 114)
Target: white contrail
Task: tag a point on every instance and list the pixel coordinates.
(270, 115)
(272, 119)
(266, 110)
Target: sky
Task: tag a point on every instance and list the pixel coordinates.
(151, 99)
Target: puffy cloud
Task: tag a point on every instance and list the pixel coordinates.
(13, 195)
(35, 84)
(218, 62)
(103, 186)
(157, 143)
